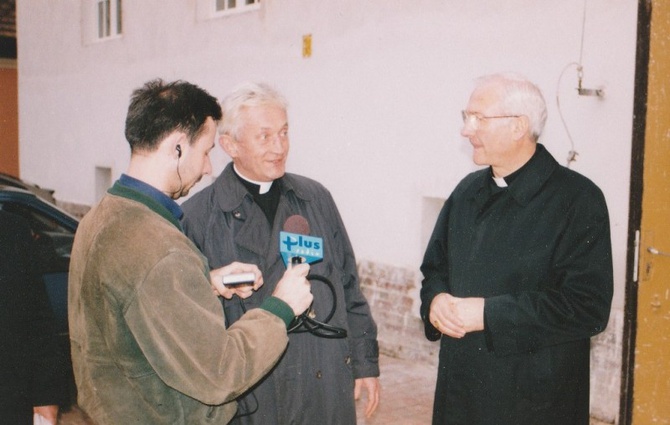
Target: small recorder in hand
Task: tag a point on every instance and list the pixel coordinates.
(237, 279)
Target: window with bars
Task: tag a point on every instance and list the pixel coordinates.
(235, 5)
(109, 18)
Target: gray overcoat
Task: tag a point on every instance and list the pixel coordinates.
(313, 383)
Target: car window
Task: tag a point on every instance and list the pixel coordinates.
(53, 239)
(39, 221)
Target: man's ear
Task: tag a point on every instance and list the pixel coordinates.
(229, 145)
(175, 144)
(521, 127)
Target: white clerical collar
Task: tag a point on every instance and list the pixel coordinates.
(500, 181)
(264, 186)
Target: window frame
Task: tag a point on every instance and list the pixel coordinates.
(238, 8)
(108, 22)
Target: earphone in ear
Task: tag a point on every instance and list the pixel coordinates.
(179, 151)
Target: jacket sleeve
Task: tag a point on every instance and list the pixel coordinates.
(362, 327)
(435, 270)
(190, 349)
(574, 301)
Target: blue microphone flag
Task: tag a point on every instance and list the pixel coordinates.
(308, 248)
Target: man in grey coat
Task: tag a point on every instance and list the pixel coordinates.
(239, 218)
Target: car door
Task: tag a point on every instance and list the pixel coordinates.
(53, 231)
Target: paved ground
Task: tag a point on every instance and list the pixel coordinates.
(407, 394)
(406, 398)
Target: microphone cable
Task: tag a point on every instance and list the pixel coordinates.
(181, 183)
(307, 322)
(247, 403)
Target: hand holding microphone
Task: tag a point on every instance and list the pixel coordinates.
(298, 247)
(294, 289)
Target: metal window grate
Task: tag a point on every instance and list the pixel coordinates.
(229, 5)
(109, 18)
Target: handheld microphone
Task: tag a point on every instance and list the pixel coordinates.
(297, 246)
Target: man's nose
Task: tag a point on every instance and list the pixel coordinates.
(467, 130)
(278, 143)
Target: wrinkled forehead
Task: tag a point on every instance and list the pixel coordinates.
(265, 112)
(485, 97)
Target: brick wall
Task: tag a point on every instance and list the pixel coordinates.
(392, 293)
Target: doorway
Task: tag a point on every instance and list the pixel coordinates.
(646, 382)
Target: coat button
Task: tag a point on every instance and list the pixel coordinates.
(318, 374)
(237, 214)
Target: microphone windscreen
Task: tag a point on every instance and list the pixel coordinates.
(297, 224)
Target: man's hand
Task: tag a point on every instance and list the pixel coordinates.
(471, 311)
(373, 388)
(242, 291)
(294, 289)
(455, 317)
(50, 413)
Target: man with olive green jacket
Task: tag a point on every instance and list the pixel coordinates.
(149, 342)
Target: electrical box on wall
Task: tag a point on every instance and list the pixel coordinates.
(307, 46)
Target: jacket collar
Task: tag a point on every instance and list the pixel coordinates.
(527, 184)
(119, 189)
(231, 193)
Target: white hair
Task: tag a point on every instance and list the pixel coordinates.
(519, 96)
(246, 95)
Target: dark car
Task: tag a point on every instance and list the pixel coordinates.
(53, 230)
(9, 180)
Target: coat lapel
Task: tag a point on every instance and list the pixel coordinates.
(254, 232)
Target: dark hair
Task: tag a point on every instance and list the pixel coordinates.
(158, 108)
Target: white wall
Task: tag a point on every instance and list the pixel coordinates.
(374, 112)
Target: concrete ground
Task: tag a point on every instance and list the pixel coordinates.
(406, 394)
(406, 397)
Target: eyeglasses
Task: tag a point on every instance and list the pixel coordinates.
(473, 118)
